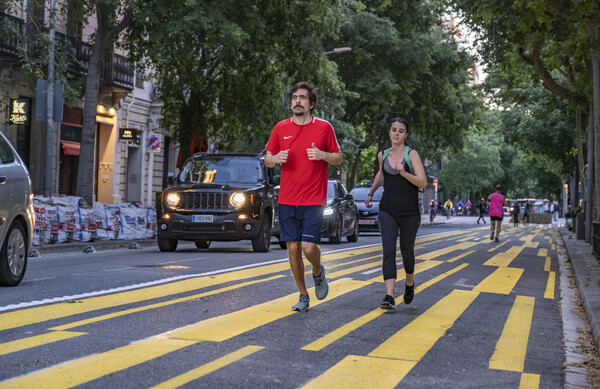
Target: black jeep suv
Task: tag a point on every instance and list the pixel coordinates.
(220, 197)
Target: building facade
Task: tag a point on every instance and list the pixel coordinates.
(133, 153)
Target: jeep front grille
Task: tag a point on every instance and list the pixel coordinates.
(208, 200)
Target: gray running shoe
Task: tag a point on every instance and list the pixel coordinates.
(302, 304)
(321, 287)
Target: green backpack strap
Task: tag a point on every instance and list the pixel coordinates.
(385, 154)
(407, 158)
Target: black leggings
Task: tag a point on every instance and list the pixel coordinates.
(390, 227)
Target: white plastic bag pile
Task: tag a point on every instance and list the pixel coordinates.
(68, 218)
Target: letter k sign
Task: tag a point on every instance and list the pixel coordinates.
(18, 107)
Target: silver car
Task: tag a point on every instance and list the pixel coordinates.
(16, 215)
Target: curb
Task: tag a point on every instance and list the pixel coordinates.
(96, 245)
(586, 269)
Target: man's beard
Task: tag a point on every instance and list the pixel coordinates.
(298, 113)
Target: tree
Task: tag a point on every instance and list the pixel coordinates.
(403, 63)
(223, 70)
(559, 43)
(113, 16)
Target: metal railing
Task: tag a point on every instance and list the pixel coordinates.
(116, 69)
(9, 25)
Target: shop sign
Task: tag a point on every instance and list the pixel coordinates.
(18, 111)
(154, 142)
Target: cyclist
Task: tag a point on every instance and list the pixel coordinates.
(432, 210)
(448, 207)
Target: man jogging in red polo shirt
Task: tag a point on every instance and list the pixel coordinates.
(304, 146)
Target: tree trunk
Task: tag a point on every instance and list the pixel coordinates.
(85, 174)
(105, 34)
(589, 178)
(596, 128)
(579, 141)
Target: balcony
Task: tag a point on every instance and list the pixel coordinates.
(116, 69)
(11, 29)
(117, 73)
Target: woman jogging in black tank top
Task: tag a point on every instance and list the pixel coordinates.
(399, 208)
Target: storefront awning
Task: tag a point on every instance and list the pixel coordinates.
(70, 148)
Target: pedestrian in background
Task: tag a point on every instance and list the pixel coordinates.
(468, 206)
(516, 211)
(304, 146)
(481, 207)
(526, 212)
(556, 212)
(495, 203)
(398, 208)
(421, 208)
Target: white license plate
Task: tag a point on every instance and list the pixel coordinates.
(363, 221)
(202, 218)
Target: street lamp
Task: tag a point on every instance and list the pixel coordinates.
(338, 50)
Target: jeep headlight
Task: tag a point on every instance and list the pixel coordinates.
(328, 211)
(173, 199)
(237, 199)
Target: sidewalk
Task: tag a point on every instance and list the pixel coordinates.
(586, 270)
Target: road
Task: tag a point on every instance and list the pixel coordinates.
(485, 314)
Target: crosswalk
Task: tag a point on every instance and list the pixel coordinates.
(462, 278)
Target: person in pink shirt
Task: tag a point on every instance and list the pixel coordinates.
(495, 203)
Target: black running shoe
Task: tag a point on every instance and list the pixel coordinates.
(388, 302)
(409, 293)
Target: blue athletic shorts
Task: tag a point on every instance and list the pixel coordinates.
(300, 223)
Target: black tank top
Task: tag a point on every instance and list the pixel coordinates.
(400, 196)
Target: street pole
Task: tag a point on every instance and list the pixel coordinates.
(47, 186)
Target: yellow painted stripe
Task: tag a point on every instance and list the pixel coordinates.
(498, 246)
(549, 293)
(333, 266)
(461, 256)
(466, 238)
(227, 326)
(344, 330)
(38, 340)
(547, 264)
(542, 253)
(354, 269)
(529, 381)
(362, 372)
(208, 368)
(413, 341)
(80, 371)
(502, 280)
(28, 316)
(446, 250)
(504, 258)
(419, 267)
(553, 247)
(160, 305)
(512, 345)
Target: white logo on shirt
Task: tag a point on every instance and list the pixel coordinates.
(288, 137)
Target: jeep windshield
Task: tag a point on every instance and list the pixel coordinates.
(221, 170)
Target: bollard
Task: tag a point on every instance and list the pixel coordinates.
(580, 222)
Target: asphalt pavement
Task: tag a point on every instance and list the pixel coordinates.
(586, 268)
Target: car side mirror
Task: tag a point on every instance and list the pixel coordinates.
(276, 180)
(171, 180)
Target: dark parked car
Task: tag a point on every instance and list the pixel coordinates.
(340, 216)
(367, 217)
(220, 197)
(16, 215)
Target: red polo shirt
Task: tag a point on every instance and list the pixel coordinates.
(303, 182)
